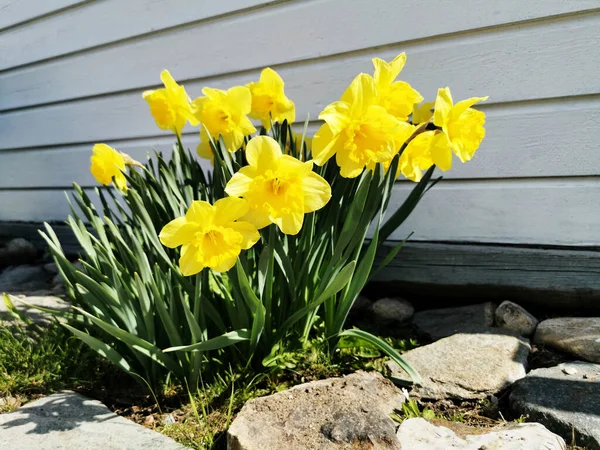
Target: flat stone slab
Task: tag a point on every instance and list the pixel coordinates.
(565, 398)
(465, 366)
(70, 421)
(351, 412)
(42, 301)
(579, 336)
(440, 323)
(420, 434)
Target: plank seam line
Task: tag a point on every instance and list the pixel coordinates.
(301, 61)
(156, 32)
(44, 16)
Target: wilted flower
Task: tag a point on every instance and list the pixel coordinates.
(462, 124)
(279, 188)
(223, 113)
(108, 164)
(397, 97)
(170, 106)
(210, 235)
(269, 102)
(357, 130)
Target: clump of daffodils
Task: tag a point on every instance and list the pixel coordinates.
(268, 249)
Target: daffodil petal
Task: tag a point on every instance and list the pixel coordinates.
(290, 223)
(443, 107)
(337, 116)
(263, 152)
(325, 144)
(440, 151)
(317, 192)
(225, 265)
(361, 93)
(248, 231)
(200, 212)
(177, 232)
(239, 183)
(229, 209)
(463, 105)
(189, 261)
(257, 217)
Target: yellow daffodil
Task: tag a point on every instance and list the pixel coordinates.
(269, 102)
(422, 112)
(170, 106)
(108, 164)
(223, 113)
(357, 130)
(397, 97)
(462, 124)
(426, 149)
(279, 188)
(210, 235)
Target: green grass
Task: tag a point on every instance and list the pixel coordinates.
(36, 361)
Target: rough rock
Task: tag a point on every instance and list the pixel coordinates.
(51, 268)
(17, 251)
(40, 317)
(389, 310)
(419, 434)
(465, 366)
(513, 317)
(23, 279)
(67, 420)
(337, 413)
(565, 403)
(361, 304)
(440, 323)
(579, 336)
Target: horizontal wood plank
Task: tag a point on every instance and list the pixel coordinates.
(517, 58)
(442, 275)
(14, 12)
(522, 141)
(547, 212)
(97, 24)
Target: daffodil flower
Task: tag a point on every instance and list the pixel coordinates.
(223, 113)
(210, 235)
(422, 112)
(422, 152)
(269, 102)
(397, 97)
(462, 124)
(108, 164)
(279, 188)
(170, 106)
(357, 130)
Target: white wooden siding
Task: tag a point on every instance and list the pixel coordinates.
(74, 76)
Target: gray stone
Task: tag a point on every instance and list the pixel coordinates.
(51, 268)
(440, 323)
(17, 251)
(23, 279)
(465, 366)
(420, 434)
(390, 310)
(564, 403)
(579, 336)
(67, 420)
(337, 413)
(513, 317)
(40, 317)
(361, 304)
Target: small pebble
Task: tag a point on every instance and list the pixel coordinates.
(168, 420)
(569, 370)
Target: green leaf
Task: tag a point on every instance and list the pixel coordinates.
(102, 348)
(402, 213)
(386, 348)
(215, 343)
